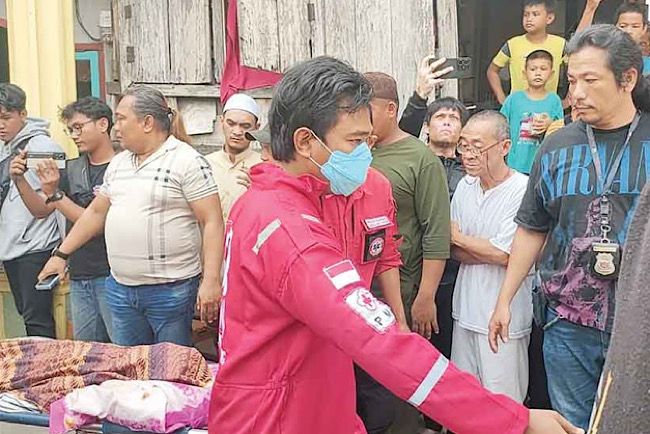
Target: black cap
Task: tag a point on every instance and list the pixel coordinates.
(263, 136)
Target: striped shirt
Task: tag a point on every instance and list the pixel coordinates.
(152, 235)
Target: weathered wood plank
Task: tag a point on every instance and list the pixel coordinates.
(317, 28)
(190, 45)
(144, 41)
(412, 39)
(294, 32)
(373, 36)
(198, 114)
(218, 37)
(189, 90)
(258, 34)
(447, 17)
(338, 19)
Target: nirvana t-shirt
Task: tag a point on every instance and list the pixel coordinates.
(563, 199)
(90, 260)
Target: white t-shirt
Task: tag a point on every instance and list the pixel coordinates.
(152, 235)
(489, 215)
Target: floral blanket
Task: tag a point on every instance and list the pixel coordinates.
(44, 371)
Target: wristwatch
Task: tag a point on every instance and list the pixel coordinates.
(59, 254)
(58, 195)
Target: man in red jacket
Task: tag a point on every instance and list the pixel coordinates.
(364, 222)
(295, 313)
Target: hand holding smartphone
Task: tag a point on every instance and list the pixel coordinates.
(49, 283)
(34, 158)
(462, 67)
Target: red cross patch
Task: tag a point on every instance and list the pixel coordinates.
(373, 311)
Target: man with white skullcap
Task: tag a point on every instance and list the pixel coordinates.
(231, 164)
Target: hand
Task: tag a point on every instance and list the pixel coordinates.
(49, 175)
(499, 324)
(55, 265)
(403, 326)
(455, 233)
(425, 316)
(18, 165)
(242, 177)
(549, 422)
(593, 4)
(541, 123)
(208, 300)
(429, 76)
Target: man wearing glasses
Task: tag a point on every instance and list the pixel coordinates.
(482, 230)
(89, 122)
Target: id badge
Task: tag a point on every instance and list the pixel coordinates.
(374, 238)
(373, 245)
(605, 260)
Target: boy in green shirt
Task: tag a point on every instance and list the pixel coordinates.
(531, 112)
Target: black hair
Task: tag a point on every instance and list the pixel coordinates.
(149, 101)
(91, 107)
(549, 5)
(12, 97)
(622, 53)
(447, 103)
(539, 54)
(631, 8)
(312, 94)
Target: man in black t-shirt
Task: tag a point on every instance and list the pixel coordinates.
(576, 212)
(89, 122)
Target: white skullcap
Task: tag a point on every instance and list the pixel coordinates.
(239, 101)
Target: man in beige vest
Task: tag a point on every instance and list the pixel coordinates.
(231, 164)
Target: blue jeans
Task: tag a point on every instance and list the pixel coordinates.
(574, 357)
(91, 319)
(149, 314)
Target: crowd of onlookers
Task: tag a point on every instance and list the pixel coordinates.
(506, 228)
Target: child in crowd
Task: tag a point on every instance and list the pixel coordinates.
(631, 18)
(538, 15)
(530, 112)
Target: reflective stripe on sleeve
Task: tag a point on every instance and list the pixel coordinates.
(265, 234)
(424, 389)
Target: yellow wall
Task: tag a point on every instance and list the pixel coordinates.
(41, 58)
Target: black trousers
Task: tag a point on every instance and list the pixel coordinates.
(537, 387)
(34, 306)
(375, 403)
(442, 341)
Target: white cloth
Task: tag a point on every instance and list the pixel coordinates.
(240, 101)
(505, 372)
(489, 215)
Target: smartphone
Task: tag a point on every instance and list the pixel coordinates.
(463, 67)
(34, 158)
(48, 284)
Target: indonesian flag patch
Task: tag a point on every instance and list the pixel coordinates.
(342, 274)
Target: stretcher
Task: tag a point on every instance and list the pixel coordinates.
(38, 423)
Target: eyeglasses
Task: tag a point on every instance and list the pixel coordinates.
(469, 150)
(77, 129)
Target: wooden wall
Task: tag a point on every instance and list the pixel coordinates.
(390, 36)
(179, 45)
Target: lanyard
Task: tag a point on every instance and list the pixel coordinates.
(605, 207)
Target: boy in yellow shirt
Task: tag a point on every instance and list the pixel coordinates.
(538, 15)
